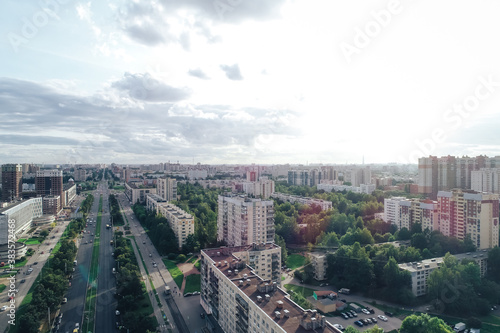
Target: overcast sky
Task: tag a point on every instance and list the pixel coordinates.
(242, 81)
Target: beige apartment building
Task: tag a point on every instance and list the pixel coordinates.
(421, 270)
(181, 222)
(167, 188)
(241, 300)
(243, 221)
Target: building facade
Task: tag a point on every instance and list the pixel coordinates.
(243, 221)
(260, 189)
(240, 300)
(167, 188)
(181, 222)
(320, 264)
(11, 182)
(325, 205)
(20, 215)
(137, 193)
(421, 270)
(470, 213)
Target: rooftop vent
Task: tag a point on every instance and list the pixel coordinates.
(259, 298)
(280, 304)
(229, 272)
(218, 264)
(286, 313)
(218, 254)
(241, 282)
(225, 262)
(236, 271)
(245, 276)
(267, 297)
(248, 282)
(278, 314)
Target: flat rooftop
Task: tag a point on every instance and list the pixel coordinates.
(264, 293)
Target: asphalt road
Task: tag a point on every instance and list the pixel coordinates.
(106, 286)
(182, 312)
(73, 310)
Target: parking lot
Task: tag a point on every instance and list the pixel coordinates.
(384, 321)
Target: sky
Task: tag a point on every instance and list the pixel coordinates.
(248, 81)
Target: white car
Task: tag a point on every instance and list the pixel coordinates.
(3, 308)
(117, 312)
(383, 318)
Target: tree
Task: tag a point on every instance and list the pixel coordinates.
(424, 324)
(281, 243)
(191, 244)
(474, 322)
(494, 264)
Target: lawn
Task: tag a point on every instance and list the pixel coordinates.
(174, 271)
(192, 260)
(2, 287)
(306, 292)
(21, 263)
(295, 261)
(193, 283)
(32, 241)
(198, 265)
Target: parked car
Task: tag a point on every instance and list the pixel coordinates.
(359, 323)
(383, 318)
(387, 313)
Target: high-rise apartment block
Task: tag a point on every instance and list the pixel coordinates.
(12, 185)
(463, 213)
(486, 180)
(262, 188)
(305, 177)
(243, 221)
(49, 182)
(181, 222)
(235, 291)
(403, 212)
(167, 188)
(80, 175)
(449, 172)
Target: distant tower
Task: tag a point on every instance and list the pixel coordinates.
(11, 182)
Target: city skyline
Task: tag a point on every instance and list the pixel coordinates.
(239, 82)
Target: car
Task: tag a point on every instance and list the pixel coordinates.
(35, 263)
(112, 253)
(91, 240)
(343, 300)
(370, 309)
(373, 320)
(150, 255)
(86, 242)
(23, 280)
(365, 311)
(321, 284)
(3, 308)
(368, 321)
(77, 325)
(350, 315)
(359, 323)
(64, 301)
(30, 269)
(383, 318)
(202, 315)
(338, 326)
(117, 312)
(42, 252)
(387, 313)
(144, 242)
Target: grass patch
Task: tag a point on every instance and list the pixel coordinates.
(22, 240)
(198, 265)
(2, 287)
(306, 292)
(193, 283)
(21, 263)
(295, 261)
(174, 271)
(192, 260)
(32, 241)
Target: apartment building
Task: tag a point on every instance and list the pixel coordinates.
(138, 192)
(241, 300)
(421, 270)
(11, 182)
(153, 200)
(471, 213)
(363, 188)
(22, 214)
(403, 212)
(305, 177)
(69, 193)
(486, 180)
(262, 188)
(320, 264)
(391, 210)
(181, 222)
(167, 188)
(325, 205)
(243, 221)
(449, 172)
(80, 175)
